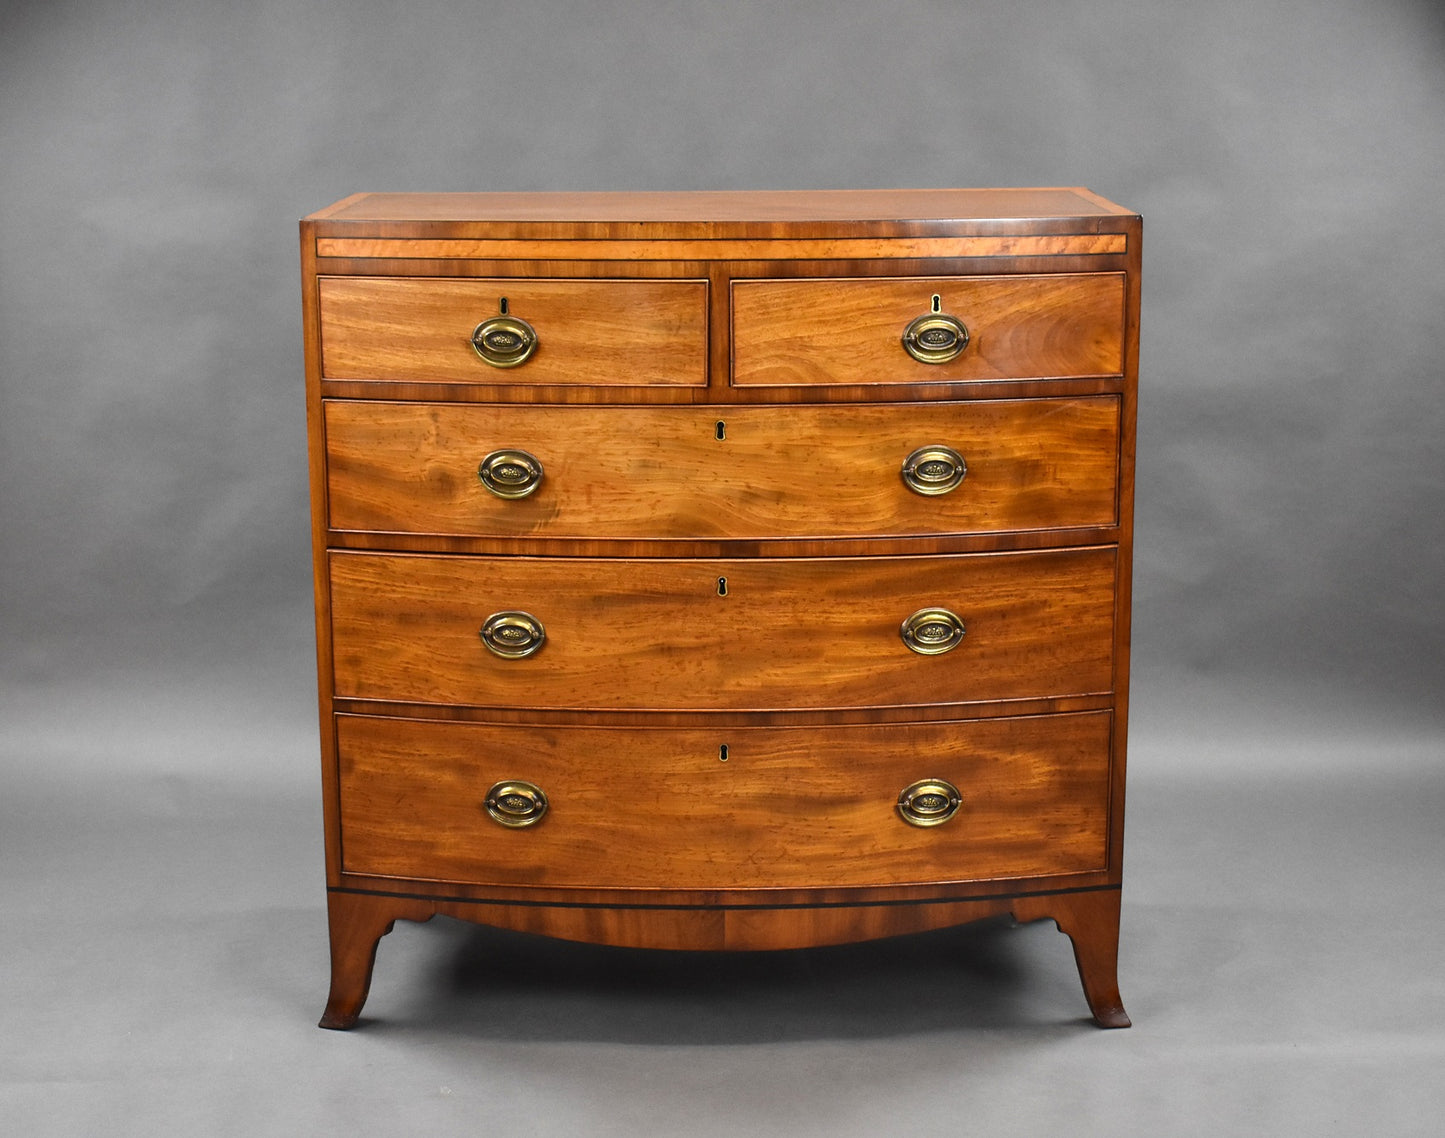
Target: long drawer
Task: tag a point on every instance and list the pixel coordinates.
(588, 332)
(655, 808)
(821, 331)
(723, 472)
(724, 634)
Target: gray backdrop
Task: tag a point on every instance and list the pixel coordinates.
(156, 681)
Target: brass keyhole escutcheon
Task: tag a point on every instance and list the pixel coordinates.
(513, 635)
(935, 337)
(505, 340)
(932, 631)
(930, 802)
(515, 804)
(511, 473)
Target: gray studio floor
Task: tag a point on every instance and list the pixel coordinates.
(164, 963)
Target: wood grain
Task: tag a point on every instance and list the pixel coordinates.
(1090, 919)
(715, 212)
(320, 579)
(789, 332)
(356, 923)
(791, 807)
(780, 314)
(600, 333)
(360, 919)
(1050, 245)
(661, 472)
(790, 633)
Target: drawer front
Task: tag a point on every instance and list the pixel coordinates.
(669, 634)
(779, 472)
(806, 332)
(790, 808)
(589, 333)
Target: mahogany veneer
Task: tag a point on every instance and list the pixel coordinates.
(800, 635)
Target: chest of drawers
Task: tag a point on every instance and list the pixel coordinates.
(722, 571)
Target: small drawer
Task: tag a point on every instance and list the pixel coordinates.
(810, 332)
(658, 808)
(772, 633)
(602, 333)
(724, 472)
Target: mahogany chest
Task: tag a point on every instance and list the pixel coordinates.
(722, 570)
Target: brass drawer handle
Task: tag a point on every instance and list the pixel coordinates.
(513, 635)
(932, 632)
(931, 802)
(934, 470)
(504, 341)
(935, 337)
(516, 804)
(510, 473)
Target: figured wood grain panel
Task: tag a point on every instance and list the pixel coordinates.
(840, 331)
(695, 929)
(597, 333)
(791, 808)
(789, 633)
(662, 472)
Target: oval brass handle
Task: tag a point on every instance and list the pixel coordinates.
(504, 341)
(932, 632)
(513, 635)
(934, 470)
(510, 473)
(930, 802)
(935, 337)
(516, 804)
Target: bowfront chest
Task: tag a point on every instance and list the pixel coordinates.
(722, 571)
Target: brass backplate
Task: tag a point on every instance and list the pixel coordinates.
(935, 338)
(929, 802)
(504, 341)
(932, 631)
(515, 804)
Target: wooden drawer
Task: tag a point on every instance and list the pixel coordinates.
(790, 808)
(811, 331)
(779, 472)
(656, 634)
(589, 332)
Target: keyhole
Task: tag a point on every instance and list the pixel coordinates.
(504, 305)
(937, 303)
(722, 586)
(721, 431)
(722, 753)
